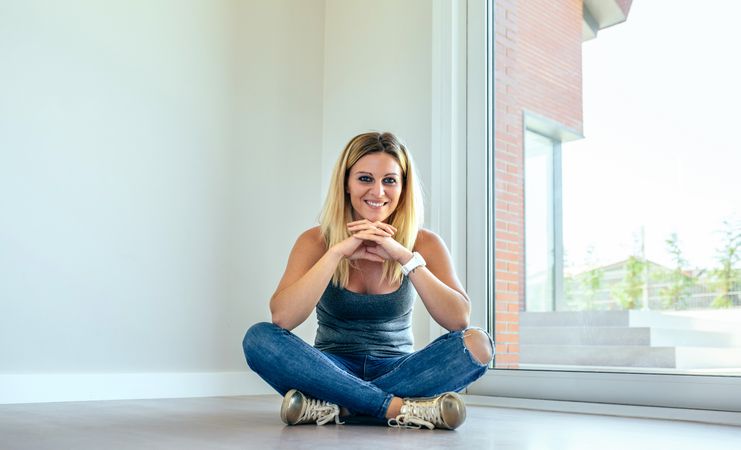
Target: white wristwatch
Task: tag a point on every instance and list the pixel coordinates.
(416, 261)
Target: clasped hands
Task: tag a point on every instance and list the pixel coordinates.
(373, 241)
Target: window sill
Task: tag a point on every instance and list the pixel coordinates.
(642, 412)
(709, 394)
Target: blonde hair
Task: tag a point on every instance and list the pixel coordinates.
(337, 212)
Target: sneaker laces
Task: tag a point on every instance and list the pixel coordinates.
(320, 411)
(416, 414)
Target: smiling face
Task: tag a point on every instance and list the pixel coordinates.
(374, 185)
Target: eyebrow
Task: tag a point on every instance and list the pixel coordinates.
(368, 173)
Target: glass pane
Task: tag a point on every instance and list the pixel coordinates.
(538, 223)
(647, 275)
(651, 214)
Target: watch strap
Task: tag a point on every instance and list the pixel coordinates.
(413, 263)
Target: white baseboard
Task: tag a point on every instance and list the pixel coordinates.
(65, 387)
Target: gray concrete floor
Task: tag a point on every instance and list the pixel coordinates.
(253, 422)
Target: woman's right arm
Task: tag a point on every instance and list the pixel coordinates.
(308, 272)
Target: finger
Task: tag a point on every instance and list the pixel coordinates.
(365, 224)
(384, 226)
(360, 227)
(374, 236)
(369, 226)
(372, 232)
(358, 222)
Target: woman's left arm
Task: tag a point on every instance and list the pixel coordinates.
(437, 284)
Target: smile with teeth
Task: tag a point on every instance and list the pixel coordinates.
(374, 204)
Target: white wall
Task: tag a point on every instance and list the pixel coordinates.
(157, 161)
(115, 150)
(279, 140)
(141, 146)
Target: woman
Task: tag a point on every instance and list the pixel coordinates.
(359, 270)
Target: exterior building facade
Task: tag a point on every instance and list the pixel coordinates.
(538, 100)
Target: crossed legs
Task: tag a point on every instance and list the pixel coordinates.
(449, 363)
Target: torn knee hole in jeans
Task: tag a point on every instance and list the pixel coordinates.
(473, 331)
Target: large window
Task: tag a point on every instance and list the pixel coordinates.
(651, 273)
(615, 234)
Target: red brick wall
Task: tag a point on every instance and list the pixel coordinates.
(508, 212)
(549, 59)
(537, 54)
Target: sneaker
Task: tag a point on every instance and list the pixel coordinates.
(444, 411)
(298, 408)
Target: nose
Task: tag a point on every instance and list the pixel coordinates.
(379, 189)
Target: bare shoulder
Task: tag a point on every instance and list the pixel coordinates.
(429, 241)
(312, 235)
(311, 240)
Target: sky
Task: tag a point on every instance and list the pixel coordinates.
(662, 110)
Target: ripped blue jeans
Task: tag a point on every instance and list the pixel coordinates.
(363, 384)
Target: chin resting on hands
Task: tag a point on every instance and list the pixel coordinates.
(378, 243)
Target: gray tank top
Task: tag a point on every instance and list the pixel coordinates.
(366, 324)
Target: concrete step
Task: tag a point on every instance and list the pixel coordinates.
(694, 338)
(685, 358)
(598, 355)
(657, 337)
(539, 335)
(671, 319)
(685, 321)
(575, 319)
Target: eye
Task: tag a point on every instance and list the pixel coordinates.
(365, 179)
(389, 180)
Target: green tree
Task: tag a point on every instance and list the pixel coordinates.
(678, 284)
(727, 275)
(591, 283)
(588, 284)
(568, 280)
(629, 292)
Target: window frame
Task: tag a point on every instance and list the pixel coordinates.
(698, 392)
